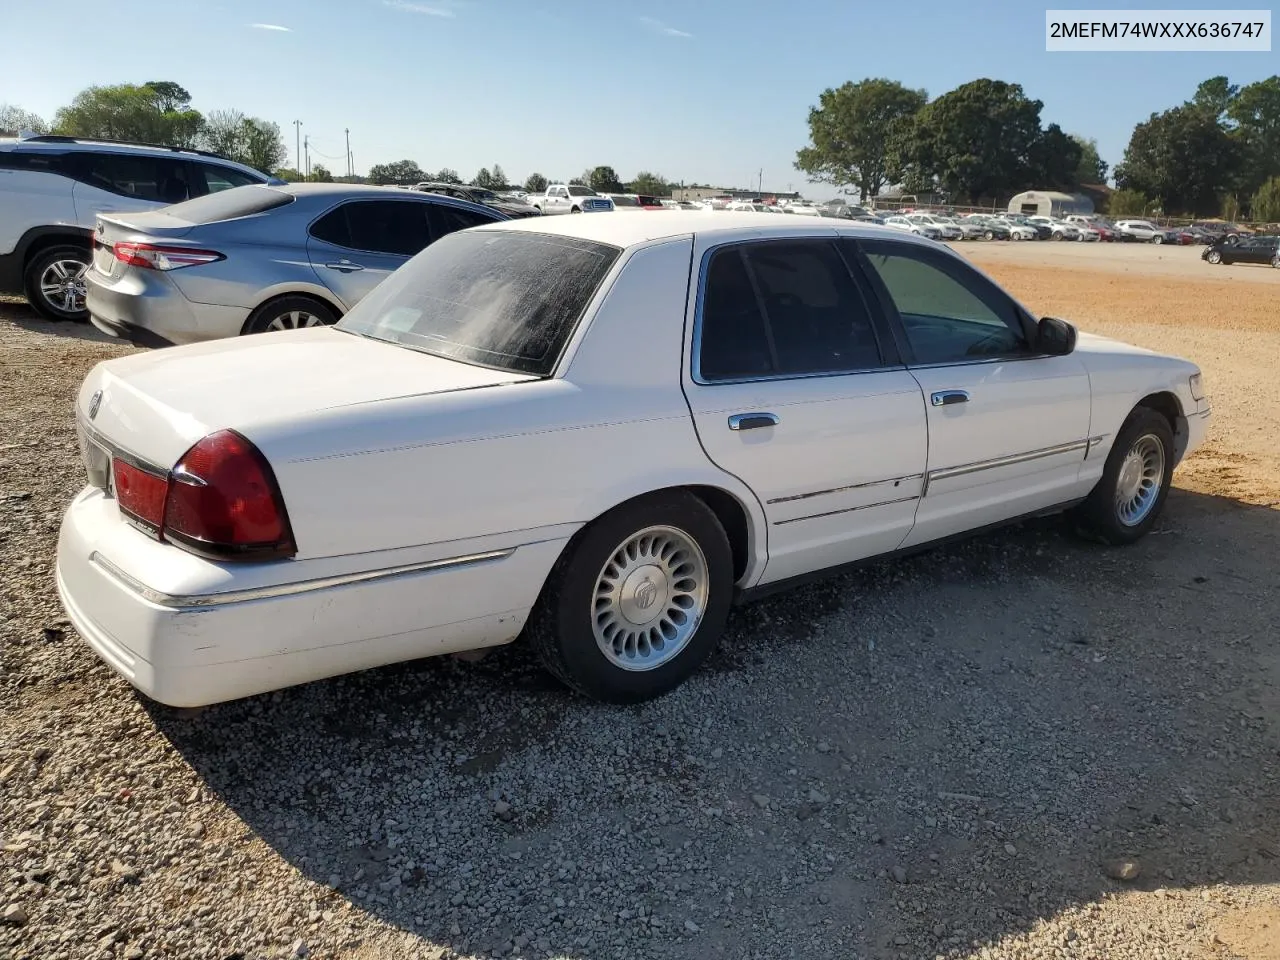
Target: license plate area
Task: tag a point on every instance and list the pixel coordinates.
(97, 462)
(104, 258)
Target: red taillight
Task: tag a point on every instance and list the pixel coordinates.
(141, 494)
(224, 502)
(153, 257)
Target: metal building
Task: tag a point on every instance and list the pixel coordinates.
(1048, 203)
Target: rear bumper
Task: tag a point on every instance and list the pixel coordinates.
(147, 308)
(240, 638)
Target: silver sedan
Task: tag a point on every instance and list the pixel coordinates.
(258, 258)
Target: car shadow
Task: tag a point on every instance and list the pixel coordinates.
(917, 759)
(23, 316)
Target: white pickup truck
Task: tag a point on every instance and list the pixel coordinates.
(570, 198)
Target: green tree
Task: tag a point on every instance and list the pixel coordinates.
(321, 174)
(604, 179)
(848, 145)
(650, 184)
(14, 119)
(1182, 158)
(1255, 113)
(1091, 168)
(1127, 203)
(1229, 207)
(1215, 97)
(447, 175)
(977, 141)
(288, 174)
(148, 113)
(252, 141)
(1265, 204)
(499, 178)
(1054, 160)
(535, 183)
(582, 179)
(402, 172)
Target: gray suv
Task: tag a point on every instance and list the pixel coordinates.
(258, 258)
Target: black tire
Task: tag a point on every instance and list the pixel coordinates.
(989, 235)
(562, 627)
(575, 210)
(290, 312)
(35, 280)
(1099, 517)
(1158, 238)
(1214, 257)
(1275, 261)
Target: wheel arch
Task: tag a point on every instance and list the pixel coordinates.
(1167, 404)
(42, 238)
(323, 296)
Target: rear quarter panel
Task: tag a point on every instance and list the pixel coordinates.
(528, 457)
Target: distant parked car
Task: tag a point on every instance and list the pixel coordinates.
(1042, 230)
(920, 229)
(259, 258)
(1144, 231)
(1255, 249)
(482, 195)
(946, 229)
(571, 198)
(1058, 229)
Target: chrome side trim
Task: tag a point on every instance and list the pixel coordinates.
(833, 513)
(1093, 442)
(852, 486)
(967, 468)
(205, 600)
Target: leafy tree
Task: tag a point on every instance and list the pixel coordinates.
(1229, 207)
(447, 175)
(977, 141)
(149, 113)
(222, 132)
(650, 184)
(847, 134)
(604, 179)
(1255, 113)
(1265, 204)
(1127, 203)
(263, 144)
(14, 119)
(1182, 158)
(484, 178)
(1054, 160)
(403, 172)
(321, 174)
(1091, 168)
(499, 177)
(583, 179)
(535, 183)
(289, 175)
(1215, 96)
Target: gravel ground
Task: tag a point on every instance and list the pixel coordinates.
(965, 755)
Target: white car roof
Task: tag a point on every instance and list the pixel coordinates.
(626, 230)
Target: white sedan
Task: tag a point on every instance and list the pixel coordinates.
(911, 226)
(596, 433)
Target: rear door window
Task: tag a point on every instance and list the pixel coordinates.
(218, 178)
(396, 227)
(446, 219)
(153, 179)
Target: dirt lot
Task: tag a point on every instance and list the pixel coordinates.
(940, 757)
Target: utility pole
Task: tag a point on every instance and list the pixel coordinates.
(760, 180)
(297, 143)
(307, 157)
(348, 133)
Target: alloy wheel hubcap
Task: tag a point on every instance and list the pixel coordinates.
(294, 320)
(1138, 485)
(62, 285)
(649, 598)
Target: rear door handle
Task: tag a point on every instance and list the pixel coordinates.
(944, 398)
(344, 266)
(752, 421)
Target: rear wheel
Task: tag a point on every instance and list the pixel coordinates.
(575, 210)
(989, 235)
(54, 283)
(1275, 261)
(1135, 481)
(638, 600)
(290, 313)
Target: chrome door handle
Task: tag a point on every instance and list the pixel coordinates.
(344, 266)
(752, 421)
(944, 398)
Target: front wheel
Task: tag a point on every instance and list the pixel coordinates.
(1275, 261)
(575, 210)
(1157, 239)
(290, 313)
(989, 235)
(1216, 257)
(1135, 481)
(55, 284)
(638, 601)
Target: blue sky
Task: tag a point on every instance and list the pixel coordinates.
(707, 91)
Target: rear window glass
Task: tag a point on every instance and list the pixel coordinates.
(230, 204)
(619, 201)
(577, 191)
(508, 300)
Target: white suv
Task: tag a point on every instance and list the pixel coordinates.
(52, 188)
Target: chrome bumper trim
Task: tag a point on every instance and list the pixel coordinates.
(967, 468)
(205, 600)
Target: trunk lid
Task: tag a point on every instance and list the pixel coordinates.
(156, 404)
(146, 226)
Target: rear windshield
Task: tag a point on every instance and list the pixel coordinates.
(621, 201)
(229, 204)
(577, 191)
(503, 299)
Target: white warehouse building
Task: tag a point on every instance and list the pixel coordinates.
(1048, 203)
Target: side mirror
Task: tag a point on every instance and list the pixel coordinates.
(1055, 337)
